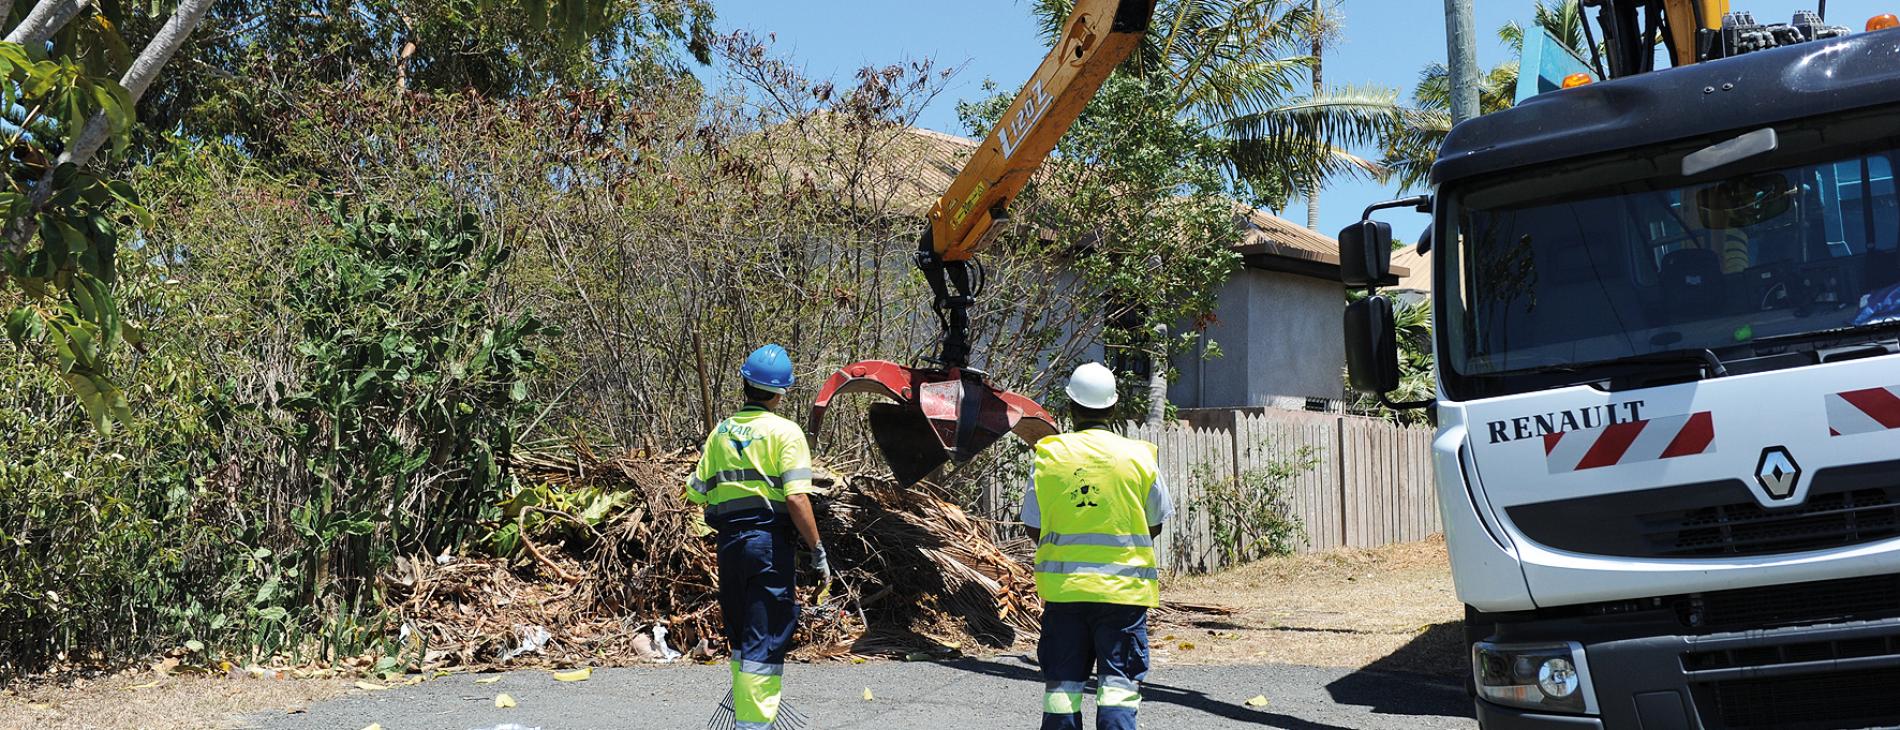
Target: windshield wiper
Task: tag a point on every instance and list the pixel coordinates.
(1703, 357)
(1837, 333)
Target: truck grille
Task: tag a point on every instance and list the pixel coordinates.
(1745, 528)
(1845, 506)
(1807, 652)
(1835, 701)
(1847, 599)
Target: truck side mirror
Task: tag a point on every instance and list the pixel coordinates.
(1372, 352)
(1365, 254)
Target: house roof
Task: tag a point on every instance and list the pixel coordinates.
(883, 167)
(1417, 269)
(1273, 243)
(941, 156)
(916, 165)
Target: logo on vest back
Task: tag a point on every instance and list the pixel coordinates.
(1084, 495)
(739, 434)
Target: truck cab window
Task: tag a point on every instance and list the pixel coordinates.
(1605, 261)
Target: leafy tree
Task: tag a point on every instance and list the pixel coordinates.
(413, 388)
(256, 61)
(1144, 217)
(69, 83)
(1411, 146)
(1239, 71)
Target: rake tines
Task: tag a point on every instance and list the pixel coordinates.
(725, 718)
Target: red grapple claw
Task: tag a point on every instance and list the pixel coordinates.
(954, 415)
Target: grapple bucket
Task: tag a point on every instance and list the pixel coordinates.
(937, 415)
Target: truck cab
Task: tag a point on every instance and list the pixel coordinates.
(1666, 320)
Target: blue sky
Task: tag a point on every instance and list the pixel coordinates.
(1385, 43)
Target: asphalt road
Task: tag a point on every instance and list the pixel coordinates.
(961, 695)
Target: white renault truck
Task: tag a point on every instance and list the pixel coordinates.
(1667, 329)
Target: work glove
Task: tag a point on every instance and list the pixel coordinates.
(818, 561)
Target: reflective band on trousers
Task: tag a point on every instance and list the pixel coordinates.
(1062, 698)
(1071, 567)
(761, 668)
(1101, 539)
(743, 504)
(1118, 692)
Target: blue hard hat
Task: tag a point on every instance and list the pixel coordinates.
(768, 368)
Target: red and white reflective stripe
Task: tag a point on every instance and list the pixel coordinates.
(1631, 442)
(1863, 411)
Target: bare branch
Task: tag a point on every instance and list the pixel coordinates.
(45, 20)
(139, 77)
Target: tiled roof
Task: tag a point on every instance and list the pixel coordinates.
(917, 165)
(1417, 268)
(1266, 234)
(1271, 235)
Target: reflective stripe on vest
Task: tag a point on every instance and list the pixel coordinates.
(742, 504)
(1069, 567)
(706, 486)
(1092, 490)
(1097, 538)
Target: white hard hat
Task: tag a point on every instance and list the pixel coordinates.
(1092, 386)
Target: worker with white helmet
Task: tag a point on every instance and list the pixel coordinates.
(1094, 506)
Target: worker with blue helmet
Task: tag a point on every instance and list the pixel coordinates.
(753, 479)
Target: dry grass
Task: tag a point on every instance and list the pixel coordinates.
(135, 702)
(1387, 608)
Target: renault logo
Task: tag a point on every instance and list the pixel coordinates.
(1778, 474)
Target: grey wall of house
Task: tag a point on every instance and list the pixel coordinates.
(1280, 338)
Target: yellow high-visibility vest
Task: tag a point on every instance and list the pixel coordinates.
(750, 463)
(1092, 490)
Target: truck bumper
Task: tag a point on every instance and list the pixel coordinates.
(1493, 717)
(1844, 675)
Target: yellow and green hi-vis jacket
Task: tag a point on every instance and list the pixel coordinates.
(750, 463)
(1092, 489)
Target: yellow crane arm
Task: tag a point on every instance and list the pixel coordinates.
(1098, 36)
(1686, 18)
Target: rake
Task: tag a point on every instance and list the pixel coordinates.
(726, 718)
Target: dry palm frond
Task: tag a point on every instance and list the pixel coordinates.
(910, 566)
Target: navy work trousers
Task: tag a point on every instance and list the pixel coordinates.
(1080, 640)
(756, 599)
(756, 567)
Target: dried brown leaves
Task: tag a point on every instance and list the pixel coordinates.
(915, 574)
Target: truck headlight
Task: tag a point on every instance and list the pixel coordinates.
(1547, 677)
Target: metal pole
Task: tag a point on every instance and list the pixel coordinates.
(1461, 41)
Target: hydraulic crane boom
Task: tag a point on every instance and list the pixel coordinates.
(1098, 37)
(950, 411)
(1692, 31)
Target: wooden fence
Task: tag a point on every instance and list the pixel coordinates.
(1370, 484)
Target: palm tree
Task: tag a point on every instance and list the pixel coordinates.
(1325, 28)
(1411, 146)
(1241, 70)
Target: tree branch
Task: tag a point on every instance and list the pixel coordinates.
(139, 77)
(45, 20)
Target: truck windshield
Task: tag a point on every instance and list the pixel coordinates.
(1640, 260)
